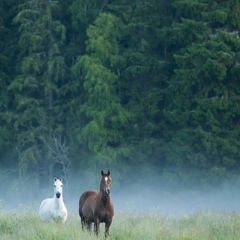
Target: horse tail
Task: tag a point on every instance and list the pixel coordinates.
(81, 202)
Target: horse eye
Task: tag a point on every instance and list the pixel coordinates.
(61, 185)
(54, 185)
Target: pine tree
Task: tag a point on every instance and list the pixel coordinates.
(41, 72)
(203, 108)
(144, 75)
(8, 40)
(103, 117)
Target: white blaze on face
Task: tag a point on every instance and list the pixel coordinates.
(106, 178)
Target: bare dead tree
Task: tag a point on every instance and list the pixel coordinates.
(59, 153)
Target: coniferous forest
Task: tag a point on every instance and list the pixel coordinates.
(148, 87)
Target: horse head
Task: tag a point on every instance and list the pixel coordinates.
(105, 184)
(58, 185)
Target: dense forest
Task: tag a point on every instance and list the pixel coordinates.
(143, 86)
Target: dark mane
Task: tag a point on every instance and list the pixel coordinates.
(97, 207)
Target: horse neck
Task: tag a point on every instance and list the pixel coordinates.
(58, 201)
(105, 200)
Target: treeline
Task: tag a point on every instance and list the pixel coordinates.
(125, 84)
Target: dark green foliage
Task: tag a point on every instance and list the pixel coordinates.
(8, 41)
(119, 83)
(41, 72)
(105, 117)
(208, 109)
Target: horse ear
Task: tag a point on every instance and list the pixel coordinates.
(60, 179)
(55, 179)
(102, 173)
(108, 173)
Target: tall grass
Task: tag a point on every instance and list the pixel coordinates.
(130, 225)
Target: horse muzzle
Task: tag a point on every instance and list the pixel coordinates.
(107, 192)
(58, 194)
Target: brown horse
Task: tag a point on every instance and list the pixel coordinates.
(97, 207)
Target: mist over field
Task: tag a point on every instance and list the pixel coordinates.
(147, 194)
(179, 202)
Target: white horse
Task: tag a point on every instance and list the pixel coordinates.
(54, 209)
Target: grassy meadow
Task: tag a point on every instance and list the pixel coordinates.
(26, 225)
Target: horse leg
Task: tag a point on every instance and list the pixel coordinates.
(96, 226)
(89, 225)
(86, 224)
(107, 227)
(83, 222)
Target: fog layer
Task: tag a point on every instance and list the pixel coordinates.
(154, 197)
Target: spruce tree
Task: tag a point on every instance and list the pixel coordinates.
(8, 42)
(41, 72)
(203, 108)
(103, 118)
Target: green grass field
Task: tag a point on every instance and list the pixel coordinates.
(131, 225)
